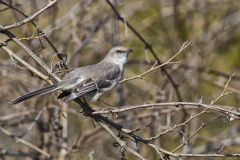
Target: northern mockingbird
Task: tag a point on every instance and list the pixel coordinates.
(92, 80)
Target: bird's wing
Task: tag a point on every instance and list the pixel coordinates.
(81, 88)
(94, 84)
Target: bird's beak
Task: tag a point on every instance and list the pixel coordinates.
(130, 50)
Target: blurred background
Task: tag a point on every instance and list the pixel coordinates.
(85, 30)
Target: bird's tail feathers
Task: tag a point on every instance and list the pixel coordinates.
(42, 91)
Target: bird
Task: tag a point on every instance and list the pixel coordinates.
(91, 80)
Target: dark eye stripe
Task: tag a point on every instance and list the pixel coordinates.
(120, 51)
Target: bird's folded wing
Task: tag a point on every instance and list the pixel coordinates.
(86, 87)
(95, 83)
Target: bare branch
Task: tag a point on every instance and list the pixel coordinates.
(20, 140)
(30, 18)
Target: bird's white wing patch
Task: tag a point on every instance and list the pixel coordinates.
(74, 84)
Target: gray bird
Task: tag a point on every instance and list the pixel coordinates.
(92, 80)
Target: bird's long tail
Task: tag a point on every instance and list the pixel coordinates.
(42, 91)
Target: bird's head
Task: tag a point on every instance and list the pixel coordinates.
(118, 55)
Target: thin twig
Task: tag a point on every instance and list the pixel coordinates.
(184, 46)
(30, 18)
(30, 53)
(25, 64)
(26, 143)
